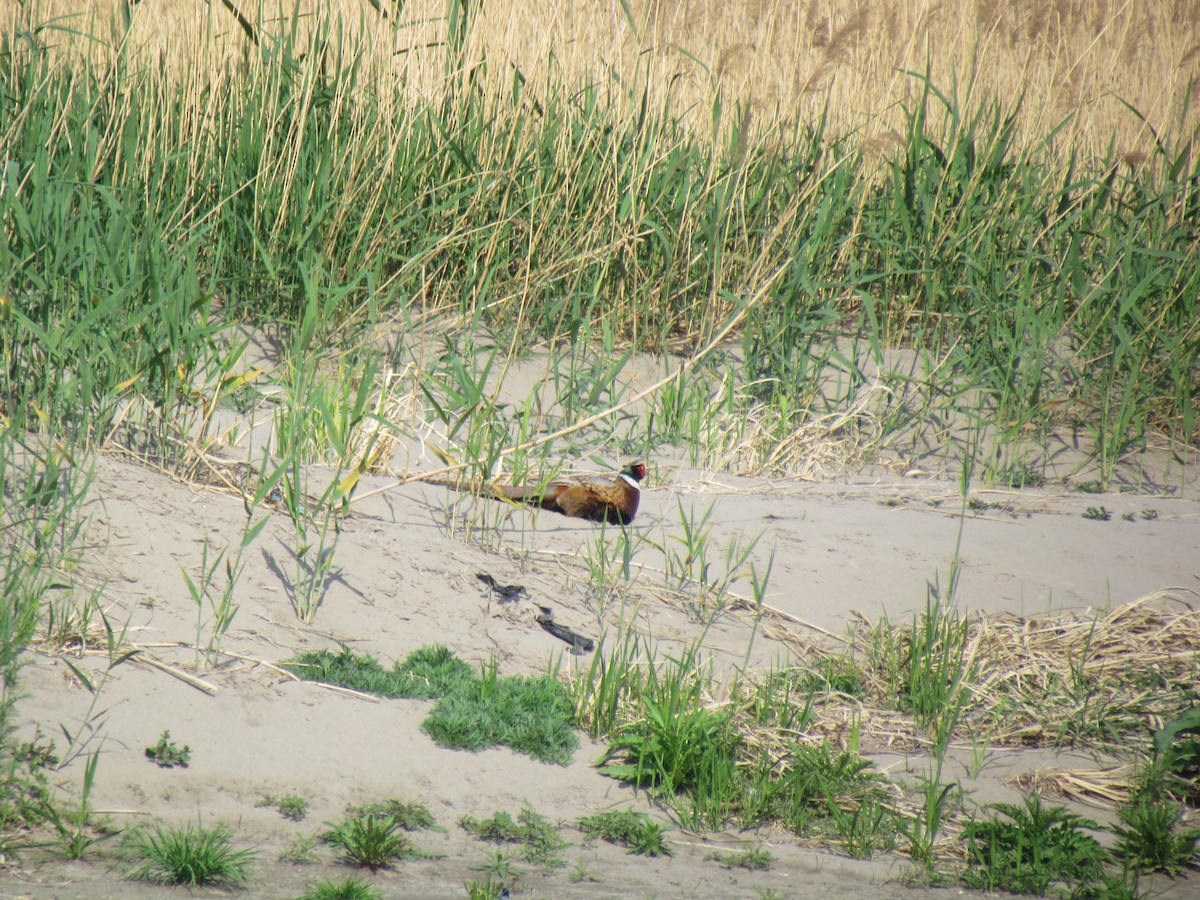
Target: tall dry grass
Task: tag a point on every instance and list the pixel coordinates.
(1085, 62)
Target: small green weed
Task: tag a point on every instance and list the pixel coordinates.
(167, 754)
(581, 873)
(487, 890)
(36, 754)
(409, 816)
(835, 674)
(816, 773)
(873, 827)
(301, 851)
(289, 806)
(1177, 752)
(500, 828)
(1032, 848)
(500, 866)
(1097, 514)
(754, 859)
(1149, 837)
(539, 840)
(634, 830)
(348, 889)
(190, 856)
(370, 841)
(1021, 475)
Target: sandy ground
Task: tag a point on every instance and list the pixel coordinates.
(405, 579)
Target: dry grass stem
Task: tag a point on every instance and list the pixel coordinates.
(1070, 61)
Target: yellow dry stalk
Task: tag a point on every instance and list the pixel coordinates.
(1072, 61)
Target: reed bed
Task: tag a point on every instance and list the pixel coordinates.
(304, 183)
(1075, 677)
(1070, 61)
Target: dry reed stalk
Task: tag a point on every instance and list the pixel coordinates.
(1020, 695)
(750, 442)
(1106, 788)
(1018, 659)
(1068, 59)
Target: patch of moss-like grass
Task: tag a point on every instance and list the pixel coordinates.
(426, 674)
(534, 716)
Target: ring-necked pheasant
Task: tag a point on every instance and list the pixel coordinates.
(613, 500)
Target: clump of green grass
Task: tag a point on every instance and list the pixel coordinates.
(534, 716)
(753, 859)
(427, 673)
(927, 666)
(191, 856)
(673, 749)
(637, 831)
(539, 839)
(290, 806)
(347, 889)
(1151, 837)
(409, 816)
(301, 851)
(1028, 848)
(836, 674)
(808, 791)
(374, 842)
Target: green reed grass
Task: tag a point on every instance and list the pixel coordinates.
(144, 213)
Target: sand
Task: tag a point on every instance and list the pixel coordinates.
(405, 579)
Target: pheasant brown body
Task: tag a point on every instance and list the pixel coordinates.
(613, 500)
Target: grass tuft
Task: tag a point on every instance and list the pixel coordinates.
(539, 840)
(346, 889)
(425, 674)
(191, 856)
(534, 716)
(637, 831)
(373, 842)
(1028, 848)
